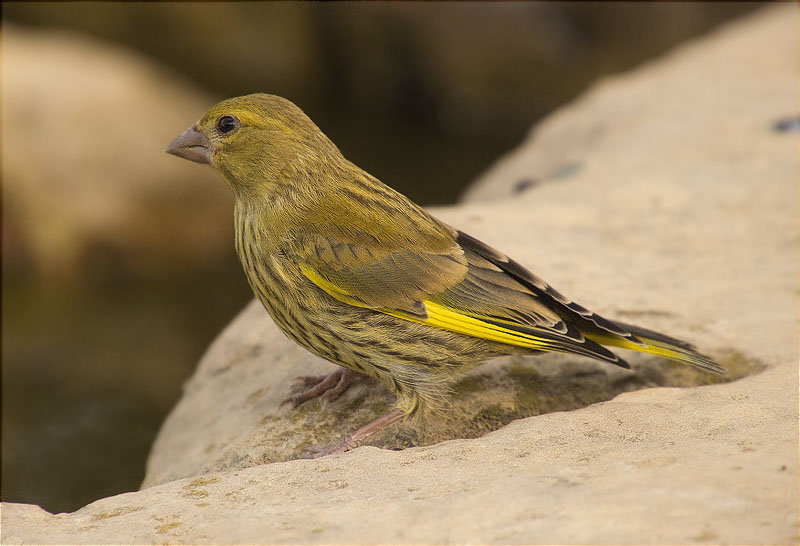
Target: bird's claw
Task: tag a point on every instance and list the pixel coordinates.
(327, 387)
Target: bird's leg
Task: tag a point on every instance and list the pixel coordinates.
(354, 440)
(328, 387)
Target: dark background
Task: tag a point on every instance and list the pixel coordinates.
(99, 334)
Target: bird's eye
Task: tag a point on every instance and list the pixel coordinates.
(226, 124)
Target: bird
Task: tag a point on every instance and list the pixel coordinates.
(357, 273)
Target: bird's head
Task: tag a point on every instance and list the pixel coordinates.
(257, 142)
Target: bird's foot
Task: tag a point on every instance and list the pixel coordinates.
(328, 387)
(354, 440)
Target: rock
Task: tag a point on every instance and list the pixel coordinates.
(217, 426)
(85, 168)
(679, 212)
(663, 465)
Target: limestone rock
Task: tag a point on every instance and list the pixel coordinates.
(678, 211)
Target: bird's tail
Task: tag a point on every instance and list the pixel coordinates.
(658, 344)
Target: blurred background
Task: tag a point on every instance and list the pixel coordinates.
(118, 261)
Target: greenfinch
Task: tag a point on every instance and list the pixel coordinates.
(360, 275)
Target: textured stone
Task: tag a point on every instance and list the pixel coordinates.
(667, 198)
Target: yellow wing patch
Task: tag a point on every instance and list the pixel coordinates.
(438, 316)
(445, 318)
(332, 289)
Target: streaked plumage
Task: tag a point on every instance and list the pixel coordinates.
(358, 274)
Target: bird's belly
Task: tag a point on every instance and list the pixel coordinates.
(415, 361)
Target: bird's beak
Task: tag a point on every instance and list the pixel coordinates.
(192, 145)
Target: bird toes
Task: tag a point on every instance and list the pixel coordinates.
(327, 387)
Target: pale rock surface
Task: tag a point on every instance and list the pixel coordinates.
(86, 124)
(675, 207)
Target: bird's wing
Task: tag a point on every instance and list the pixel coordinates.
(498, 292)
(380, 277)
(490, 269)
(488, 266)
(462, 288)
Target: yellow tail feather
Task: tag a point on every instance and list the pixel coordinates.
(662, 349)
